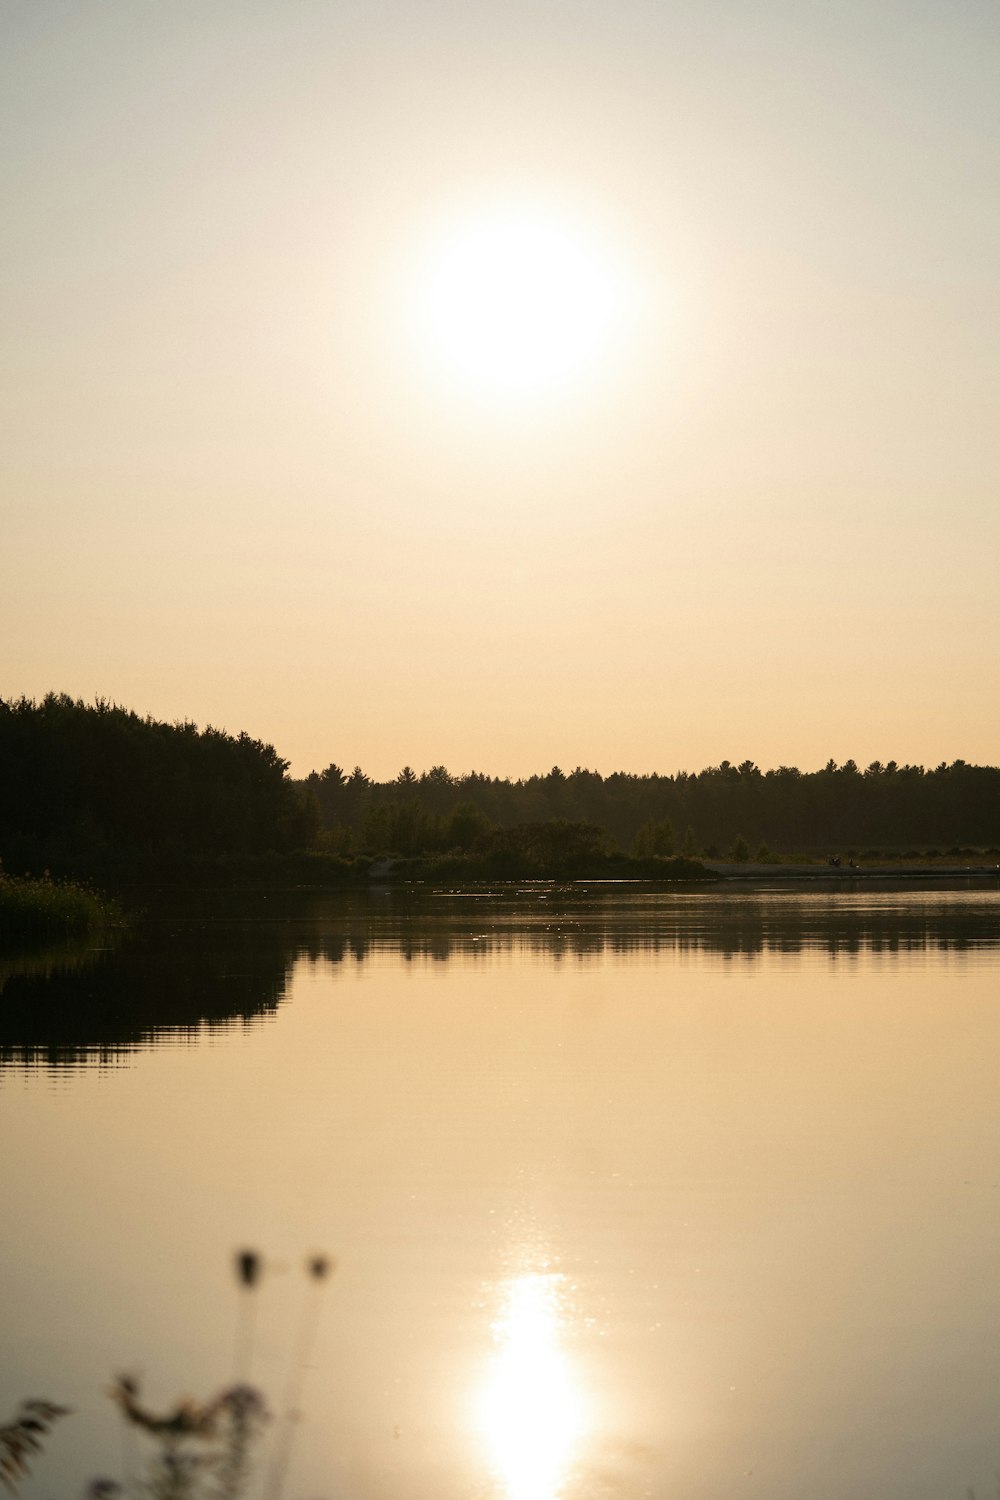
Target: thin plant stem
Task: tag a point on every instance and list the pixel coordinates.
(128, 1460)
(246, 1320)
(301, 1354)
(248, 1269)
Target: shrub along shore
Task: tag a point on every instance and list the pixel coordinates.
(43, 910)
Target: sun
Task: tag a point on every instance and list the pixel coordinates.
(518, 303)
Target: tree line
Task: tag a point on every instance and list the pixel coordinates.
(886, 808)
(86, 788)
(89, 788)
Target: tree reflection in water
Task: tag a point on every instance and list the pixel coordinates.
(213, 959)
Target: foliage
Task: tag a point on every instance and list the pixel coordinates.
(39, 911)
(201, 1447)
(654, 838)
(98, 790)
(201, 1450)
(888, 806)
(554, 848)
(21, 1439)
(94, 787)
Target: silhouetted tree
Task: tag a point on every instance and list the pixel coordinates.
(89, 786)
(465, 826)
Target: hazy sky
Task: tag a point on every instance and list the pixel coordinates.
(507, 384)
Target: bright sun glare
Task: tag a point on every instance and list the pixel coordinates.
(517, 303)
(530, 1412)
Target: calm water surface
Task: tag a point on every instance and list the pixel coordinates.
(632, 1193)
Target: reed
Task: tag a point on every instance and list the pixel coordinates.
(21, 1439)
(201, 1450)
(39, 910)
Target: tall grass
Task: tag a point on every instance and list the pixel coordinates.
(40, 910)
(199, 1450)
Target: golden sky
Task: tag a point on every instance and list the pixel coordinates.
(501, 385)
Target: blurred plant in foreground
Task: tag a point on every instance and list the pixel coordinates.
(21, 1439)
(202, 1450)
(199, 1447)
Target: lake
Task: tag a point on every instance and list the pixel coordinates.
(631, 1192)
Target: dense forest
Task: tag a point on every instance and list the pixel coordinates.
(886, 808)
(96, 788)
(86, 788)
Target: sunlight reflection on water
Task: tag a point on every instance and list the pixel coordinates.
(530, 1411)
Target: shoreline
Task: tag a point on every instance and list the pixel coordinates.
(726, 870)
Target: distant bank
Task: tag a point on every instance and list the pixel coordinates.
(904, 870)
(96, 792)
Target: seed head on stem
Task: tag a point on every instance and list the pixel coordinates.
(247, 1267)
